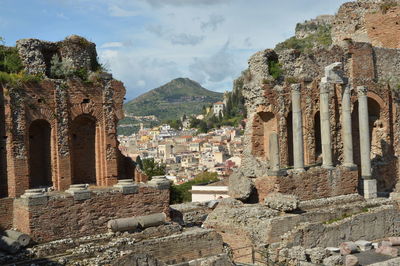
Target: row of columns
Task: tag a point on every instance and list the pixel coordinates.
(327, 84)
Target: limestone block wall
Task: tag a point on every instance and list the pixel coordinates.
(314, 184)
(60, 215)
(372, 225)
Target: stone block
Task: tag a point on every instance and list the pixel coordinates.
(33, 198)
(127, 188)
(351, 260)
(394, 241)
(336, 260)
(160, 182)
(370, 189)
(387, 250)
(363, 245)
(385, 244)
(333, 250)
(347, 248)
(82, 195)
(240, 186)
(281, 202)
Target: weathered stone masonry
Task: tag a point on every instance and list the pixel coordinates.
(329, 113)
(62, 132)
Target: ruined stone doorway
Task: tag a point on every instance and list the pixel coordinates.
(40, 154)
(83, 135)
(317, 136)
(264, 123)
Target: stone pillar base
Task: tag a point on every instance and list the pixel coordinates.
(328, 167)
(350, 167)
(370, 189)
(276, 172)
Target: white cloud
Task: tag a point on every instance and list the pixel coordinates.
(158, 3)
(213, 22)
(112, 45)
(173, 38)
(117, 11)
(214, 68)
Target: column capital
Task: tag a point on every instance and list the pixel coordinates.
(324, 87)
(362, 91)
(296, 87)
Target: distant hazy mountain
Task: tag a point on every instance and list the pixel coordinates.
(172, 100)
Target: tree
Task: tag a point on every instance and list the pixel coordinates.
(181, 193)
(151, 168)
(139, 162)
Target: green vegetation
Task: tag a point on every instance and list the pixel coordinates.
(233, 114)
(275, 69)
(181, 193)
(321, 37)
(173, 100)
(346, 215)
(11, 68)
(151, 168)
(385, 6)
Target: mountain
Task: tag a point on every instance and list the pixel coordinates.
(172, 100)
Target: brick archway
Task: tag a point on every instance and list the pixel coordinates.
(40, 154)
(83, 143)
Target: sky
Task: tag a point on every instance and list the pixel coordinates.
(146, 43)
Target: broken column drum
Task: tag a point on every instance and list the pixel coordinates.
(298, 150)
(369, 184)
(325, 126)
(347, 130)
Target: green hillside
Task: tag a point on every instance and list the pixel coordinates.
(172, 100)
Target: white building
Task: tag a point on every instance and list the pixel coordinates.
(213, 191)
(218, 107)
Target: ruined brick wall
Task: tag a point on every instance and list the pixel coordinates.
(61, 216)
(74, 119)
(182, 247)
(374, 22)
(6, 213)
(314, 184)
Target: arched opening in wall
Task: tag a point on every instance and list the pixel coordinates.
(317, 136)
(40, 154)
(290, 138)
(264, 123)
(376, 130)
(83, 137)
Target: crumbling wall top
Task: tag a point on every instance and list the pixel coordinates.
(75, 51)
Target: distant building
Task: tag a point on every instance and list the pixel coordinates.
(218, 108)
(213, 191)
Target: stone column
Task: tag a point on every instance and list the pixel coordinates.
(370, 189)
(274, 157)
(325, 126)
(297, 129)
(347, 130)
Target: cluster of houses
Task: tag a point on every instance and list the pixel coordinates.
(186, 153)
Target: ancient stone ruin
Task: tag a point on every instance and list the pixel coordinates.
(62, 173)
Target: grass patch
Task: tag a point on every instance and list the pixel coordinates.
(321, 37)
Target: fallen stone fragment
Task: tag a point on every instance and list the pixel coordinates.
(385, 244)
(375, 245)
(363, 245)
(387, 250)
(351, 260)
(333, 250)
(282, 202)
(347, 248)
(9, 245)
(336, 260)
(317, 255)
(395, 241)
(240, 187)
(212, 204)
